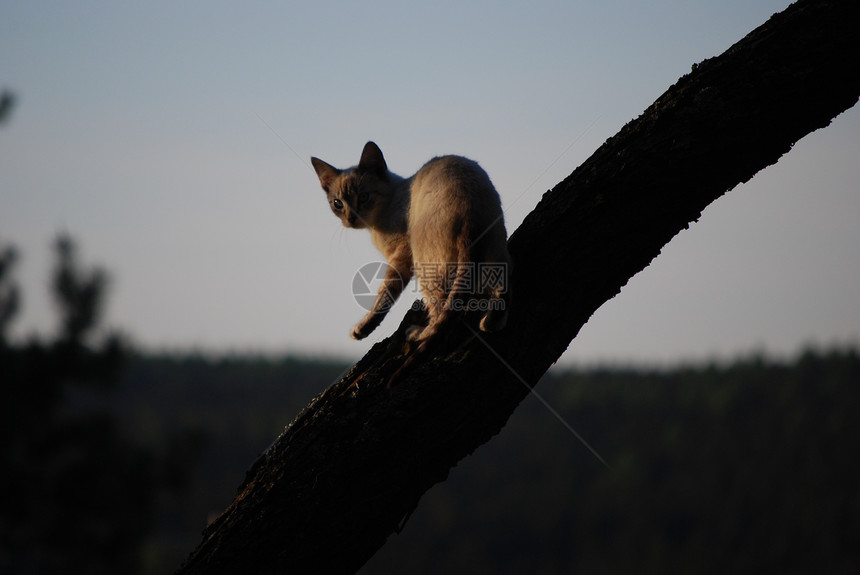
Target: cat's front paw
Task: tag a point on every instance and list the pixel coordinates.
(357, 333)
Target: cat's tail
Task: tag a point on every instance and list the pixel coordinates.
(462, 286)
(498, 297)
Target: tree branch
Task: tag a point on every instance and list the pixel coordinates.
(353, 465)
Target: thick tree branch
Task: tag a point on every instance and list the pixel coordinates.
(353, 465)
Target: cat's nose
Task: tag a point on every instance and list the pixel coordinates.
(351, 218)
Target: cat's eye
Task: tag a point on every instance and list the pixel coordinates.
(362, 197)
(338, 205)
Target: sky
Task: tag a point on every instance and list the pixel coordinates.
(172, 140)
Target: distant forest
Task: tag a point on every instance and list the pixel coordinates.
(714, 468)
(113, 461)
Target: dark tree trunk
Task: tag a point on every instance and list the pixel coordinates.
(353, 465)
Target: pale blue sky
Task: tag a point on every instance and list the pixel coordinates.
(172, 140)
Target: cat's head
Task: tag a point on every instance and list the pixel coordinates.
(357, 195)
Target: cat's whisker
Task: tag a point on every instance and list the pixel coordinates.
(283, 141)
(540, 398)
(551, 164)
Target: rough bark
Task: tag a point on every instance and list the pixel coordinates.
(352, 466)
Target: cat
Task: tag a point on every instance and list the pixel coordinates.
(444, 225)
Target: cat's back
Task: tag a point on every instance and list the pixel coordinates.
(451, 174)
(452, 196)
(454, 186)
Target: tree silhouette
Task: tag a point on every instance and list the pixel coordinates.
(350, 469)
(77, 496)
(7, 103)
(79, 294)
(10, 296)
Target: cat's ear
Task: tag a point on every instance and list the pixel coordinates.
(326, 173)
(372, 161)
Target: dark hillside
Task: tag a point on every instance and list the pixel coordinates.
(218, 415)
(714, 469)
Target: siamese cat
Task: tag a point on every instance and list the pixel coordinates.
(444, 225)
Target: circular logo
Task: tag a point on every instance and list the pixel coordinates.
(367, 282)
